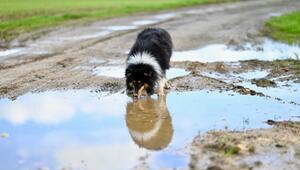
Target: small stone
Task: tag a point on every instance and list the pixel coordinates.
(4, 135)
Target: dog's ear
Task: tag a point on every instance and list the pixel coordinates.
(128, 72)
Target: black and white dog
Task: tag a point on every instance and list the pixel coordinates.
(147, 62)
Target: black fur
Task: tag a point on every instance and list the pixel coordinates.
(156, 42)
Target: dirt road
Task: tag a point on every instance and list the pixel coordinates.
(49, 59)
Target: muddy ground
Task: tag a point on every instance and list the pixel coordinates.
(57, 64)
(275, 148)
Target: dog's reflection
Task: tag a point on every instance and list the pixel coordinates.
(149, 123)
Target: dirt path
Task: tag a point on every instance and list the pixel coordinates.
(50, 60)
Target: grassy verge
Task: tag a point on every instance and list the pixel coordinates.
(18, 16)
(285, 28)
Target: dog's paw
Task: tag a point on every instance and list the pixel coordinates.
(168, 85)
(161, 94)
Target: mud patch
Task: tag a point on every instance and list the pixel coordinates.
(274, 148)
(263, 82)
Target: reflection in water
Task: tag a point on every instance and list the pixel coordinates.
(149, 123)
(84, 130)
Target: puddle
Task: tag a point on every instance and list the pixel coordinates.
(73, 129)
(10, 52)
(287, 91)
(275, 14)
(269, 50)
(118, 72)
(144, 22)
(110, 71)
(87, 36)
(165, 16)
(234, 77)
(120, 27)
(257, 74)
(176, 72)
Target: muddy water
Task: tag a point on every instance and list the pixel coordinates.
(87, 130)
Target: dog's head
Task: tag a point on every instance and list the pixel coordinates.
(140, 77)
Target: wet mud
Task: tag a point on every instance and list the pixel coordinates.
(274, 148)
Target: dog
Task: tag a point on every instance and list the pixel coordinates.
(147, 62)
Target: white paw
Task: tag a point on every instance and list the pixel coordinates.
(168, 85)
(161, 94)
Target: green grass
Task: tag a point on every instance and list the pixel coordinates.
(18, 16)
(297, 153)
(284, 28)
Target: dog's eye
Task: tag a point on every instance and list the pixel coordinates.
(131, 84)
(139, 81)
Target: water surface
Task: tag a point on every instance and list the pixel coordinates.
(86, 130)
(267, 51)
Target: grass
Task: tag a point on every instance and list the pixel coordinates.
(224, 145)
(226, 149)
(285, 28)
(19, 16)
(297, 153)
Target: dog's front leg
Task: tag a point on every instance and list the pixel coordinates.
(168, 85)
(162, 83)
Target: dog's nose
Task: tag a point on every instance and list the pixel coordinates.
(135, 95)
